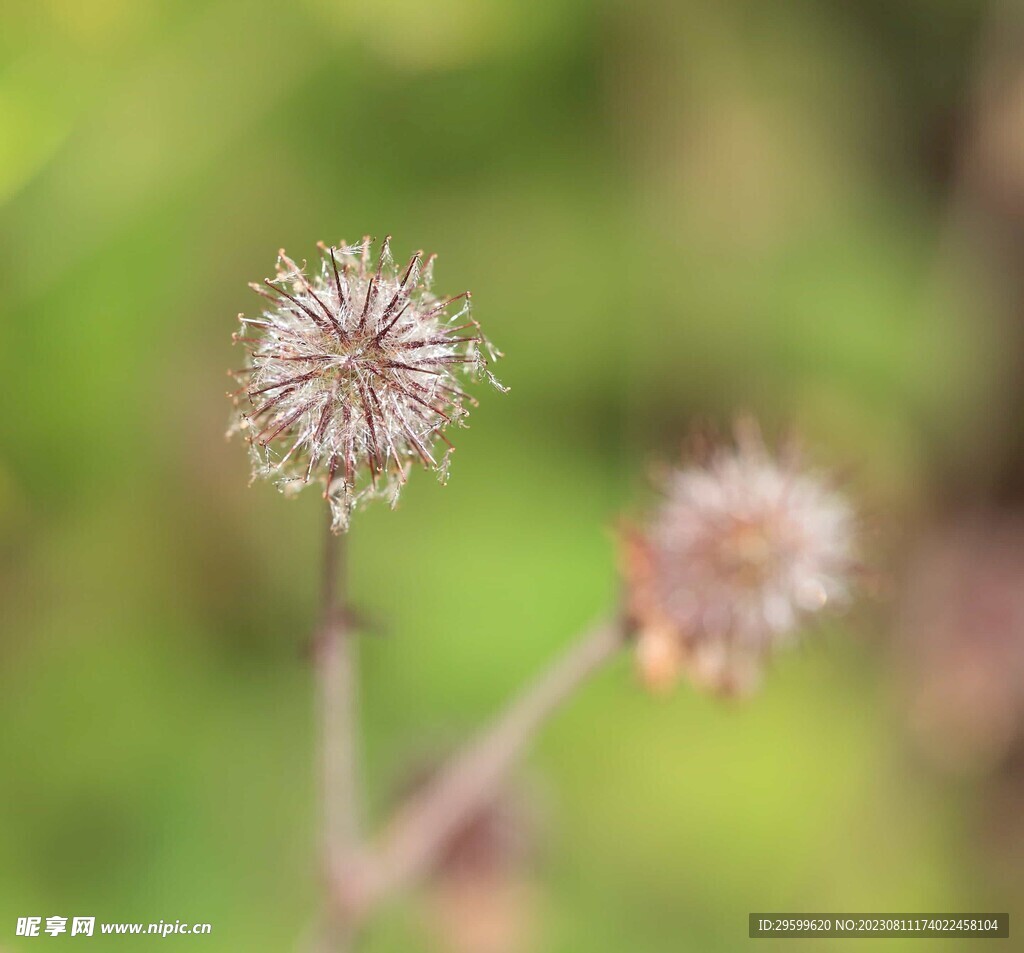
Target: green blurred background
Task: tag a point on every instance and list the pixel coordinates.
(667, 211)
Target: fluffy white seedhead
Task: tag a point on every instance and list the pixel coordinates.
(743, 549)
(354, 371)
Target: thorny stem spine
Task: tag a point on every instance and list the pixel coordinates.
(422, 828)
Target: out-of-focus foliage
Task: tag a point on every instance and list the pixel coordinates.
(665, 210)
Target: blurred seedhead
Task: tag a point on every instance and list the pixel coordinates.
(744, 547)
(354, 371)
(961, 642)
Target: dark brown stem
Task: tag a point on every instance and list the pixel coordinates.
(423, 827)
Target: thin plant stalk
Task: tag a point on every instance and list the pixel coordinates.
(337, 705)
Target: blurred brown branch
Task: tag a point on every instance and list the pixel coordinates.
(421, 829)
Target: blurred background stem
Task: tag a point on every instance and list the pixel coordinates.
(423, 827)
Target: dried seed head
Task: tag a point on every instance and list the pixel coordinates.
(354, 371)
(742, 549)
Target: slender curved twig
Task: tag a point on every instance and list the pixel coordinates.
(422, 828)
